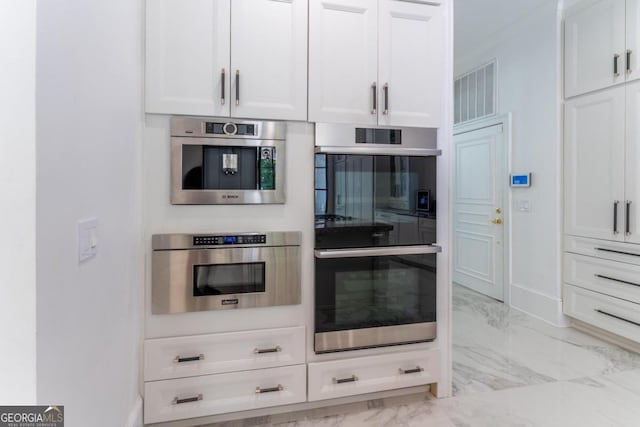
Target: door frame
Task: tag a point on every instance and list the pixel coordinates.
(505, 120)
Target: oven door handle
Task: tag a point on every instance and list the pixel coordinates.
(379, 151)
(370, 252)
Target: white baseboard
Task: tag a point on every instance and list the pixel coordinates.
(538, 305)
(135, 415)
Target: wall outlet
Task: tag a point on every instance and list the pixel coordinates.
(87, 239)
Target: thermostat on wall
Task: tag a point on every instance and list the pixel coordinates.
(521, 180)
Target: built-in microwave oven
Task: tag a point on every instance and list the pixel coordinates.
(217, 161)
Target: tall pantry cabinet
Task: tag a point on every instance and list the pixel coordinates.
(602, 167)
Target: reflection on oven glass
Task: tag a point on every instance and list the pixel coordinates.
(228, 279)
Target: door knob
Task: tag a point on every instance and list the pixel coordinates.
(498, 210)
(497, 221)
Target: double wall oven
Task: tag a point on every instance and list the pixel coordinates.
(375, 235)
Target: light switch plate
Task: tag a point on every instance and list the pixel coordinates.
(87, 239)
(523, 205)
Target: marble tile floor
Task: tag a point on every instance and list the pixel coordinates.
(509, 370)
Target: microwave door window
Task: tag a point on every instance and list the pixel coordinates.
(228, 279)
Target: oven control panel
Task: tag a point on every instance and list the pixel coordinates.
(229, 240)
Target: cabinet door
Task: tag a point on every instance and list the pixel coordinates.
(343, 61)
(410, 59)
(632, 166)
(594, 35)
(269, 59)
(594, 164)
(187, 51)
(632, 63)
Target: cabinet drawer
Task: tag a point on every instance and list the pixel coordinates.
(216, 394)
(600, 275)
(339, 378)
(190, 356)
(615, 251)
(611, 314)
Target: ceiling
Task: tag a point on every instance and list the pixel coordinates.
(477, 19)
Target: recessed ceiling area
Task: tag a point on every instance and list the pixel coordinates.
(476, 20)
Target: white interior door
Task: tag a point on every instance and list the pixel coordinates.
(343, 66)
(410, 78)
(479, 189)
(187, 53)
(269, 59)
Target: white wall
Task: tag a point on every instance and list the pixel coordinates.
(88, 165)
(18, 191)
(529, 87)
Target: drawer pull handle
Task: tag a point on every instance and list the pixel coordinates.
(616, 280)
(411, 371)
(179, 359)
(616, 252)
(350, 379)
(276, 349)
(260, 390)
(177, 401)
(617, 317)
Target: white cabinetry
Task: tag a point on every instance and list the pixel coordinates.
(375, 62)
(246, 58)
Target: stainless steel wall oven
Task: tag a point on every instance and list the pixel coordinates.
(217, 161)
(375, 239)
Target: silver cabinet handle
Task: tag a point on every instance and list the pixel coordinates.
(616, 72)
(616, 317)
(629, 52)
(615, 216)
(350, 379)
(178, 401)
(627, 226)
(374, 91)
(276, 349)
(179, 359)
(260, 390)
(600, 276)
(222, 95)
(386, 99)
(237, 87)
(371, 252)
(411, 371)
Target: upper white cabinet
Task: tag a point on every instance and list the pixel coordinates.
(375, 62)
(240, 58)
(602, 42)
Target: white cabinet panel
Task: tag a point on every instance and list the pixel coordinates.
(177, 357)
(594, 164)
(187, 48)
(632, 67)
(343, 61)
(611, 314)
(339, 378)
(593, 36)
(410, 64)
(632, 165)
(269, 59)
(218, 394)
(614, 251)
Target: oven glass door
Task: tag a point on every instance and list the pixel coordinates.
(374, 291)
(374, 200)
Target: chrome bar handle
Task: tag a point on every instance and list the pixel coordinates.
(260, 390)
(627, 226)
(384, 251)
(616, 317)
(616, 72)
(237, 87)
(600, 276)
(411, 371)
(386, 99)
(276, 349)
(629, 52)
(179, 359)
(222, 87)
(350, 379)
(374, 90)
(178, 401)
(616, 252)
(615, 216)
